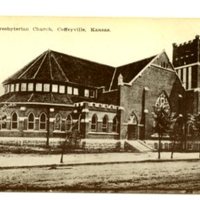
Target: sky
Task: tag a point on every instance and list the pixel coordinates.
(128, 39)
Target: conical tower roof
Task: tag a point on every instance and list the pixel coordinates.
(53, 66)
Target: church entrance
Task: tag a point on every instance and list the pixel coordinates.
(132, 127)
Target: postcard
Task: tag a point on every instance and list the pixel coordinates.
(99, 105)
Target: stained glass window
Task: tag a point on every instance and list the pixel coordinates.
(162, 102)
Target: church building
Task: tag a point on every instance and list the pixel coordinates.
(56, 92)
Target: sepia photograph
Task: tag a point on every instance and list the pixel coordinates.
(100, 105)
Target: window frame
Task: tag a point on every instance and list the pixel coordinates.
(86, 93)
(60, 123)
(68, 122)
(94, 124)
(75, 91)
(31, 122)
(69, 90)
(17, 86)
(43, 122)
(63, 89)
(44, 87)
(16, 122)
(53, 88)
(23, 89)
(30, 89)
(115, 126)
(105, 125)
(40, 89)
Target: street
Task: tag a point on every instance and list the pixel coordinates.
(147, 177)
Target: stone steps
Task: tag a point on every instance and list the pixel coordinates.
(137, 146)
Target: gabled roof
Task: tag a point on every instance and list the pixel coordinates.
(129, 71)
(54, 66)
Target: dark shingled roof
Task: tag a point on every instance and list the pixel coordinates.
(129, 71)
(54, 66)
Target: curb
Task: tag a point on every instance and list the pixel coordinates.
(53, 166)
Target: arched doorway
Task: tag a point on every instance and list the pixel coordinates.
(132, 127)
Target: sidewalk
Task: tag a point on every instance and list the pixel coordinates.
(20, 160)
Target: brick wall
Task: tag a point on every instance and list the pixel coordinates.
(131, 97)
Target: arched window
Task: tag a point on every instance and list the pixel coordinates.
(105, 124)
(69, 122)
(3, 122)
(14, 121)
(162, 102)
(43, 121)
(94, 123)
(132, 119)
(57, 122)
(31, 121)
(115, 124)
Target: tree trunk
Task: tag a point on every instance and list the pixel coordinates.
(48, 128)
(159, 146)
(172, 152)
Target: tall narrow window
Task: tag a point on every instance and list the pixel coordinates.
(115, 124)
(187, 74)
(57, 122)
(14, 121)
(181, 73)
(31, 121)
(189, 77)
(184, 77)
(16, 87)
(43, 120)
(12, 88)
(105, 124)
(68, 122)
(86, 93)
(194, 77)
(94, 123)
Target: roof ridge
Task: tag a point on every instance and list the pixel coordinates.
(150, 57)
(145, 67)
(112, 79)
(40, 56)
(40, 65)
(50, 65)
(60, 68)
(84, 59)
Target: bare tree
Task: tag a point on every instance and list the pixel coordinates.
(71, 141)
(162, 125)
(177, 132)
